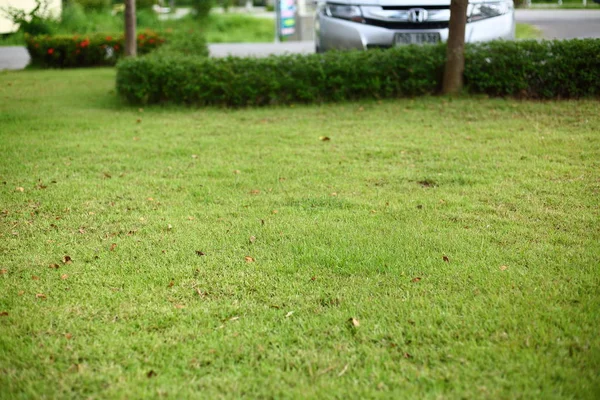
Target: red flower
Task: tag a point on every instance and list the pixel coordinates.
(50, 51)
(85, 43)
(116, 47)
(151, 41)
(141, 37)
(109, 38)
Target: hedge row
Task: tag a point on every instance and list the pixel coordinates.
(68, 51)
(547, 69)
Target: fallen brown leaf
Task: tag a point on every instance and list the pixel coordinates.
(3, 271)
(67, 260)
(179, 306)
(35, 278)
(139, 120)
(113, 246)
(200, 253)
(274, 212)
(417, 279)
(324, 138)
(252, 239)
(249, 259)
(446, 259)
(19, 189)
(54, 266)
(40, 296)
(81, 230)
(21, 293)
(406, 355)
(503, 268)
(171, 284)
(4, 314)
(64, 276)
(254, 191)
(151, 374)
(354, 322)
(68, 336)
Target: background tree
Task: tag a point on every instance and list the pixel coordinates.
(130, 39)
(455, 51)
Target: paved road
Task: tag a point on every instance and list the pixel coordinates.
(563, 24)
(554, 24)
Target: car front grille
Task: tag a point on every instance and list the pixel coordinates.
(406, 25)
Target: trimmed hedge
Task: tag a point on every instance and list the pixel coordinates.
(98, 49)
(531, 69)
(548, 69)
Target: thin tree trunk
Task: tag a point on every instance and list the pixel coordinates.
(130, 42)
(455, 52)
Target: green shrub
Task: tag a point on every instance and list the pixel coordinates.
(528, 69)
(408, 71)
(532, 69)
(68, 51)
(202, 8)
(95, 5)
(190, 43)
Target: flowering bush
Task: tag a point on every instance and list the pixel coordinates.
(72, 51)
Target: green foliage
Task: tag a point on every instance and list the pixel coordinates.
(526, 69)
(68, 51)
(202, 8)
(532, 69)
(189, 43)
(407, 71)
(93, 5)
(34, 22)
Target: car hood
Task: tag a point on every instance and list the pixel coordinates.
(416, 3)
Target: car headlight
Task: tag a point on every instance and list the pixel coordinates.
(350, 13)
(479, 11)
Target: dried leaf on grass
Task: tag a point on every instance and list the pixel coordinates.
(416, 279)
(249, 259)
(67, 260)
(354, 322)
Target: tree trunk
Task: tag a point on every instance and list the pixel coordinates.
(455, 52)
(130, 40)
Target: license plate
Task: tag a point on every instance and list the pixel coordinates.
(403, 38)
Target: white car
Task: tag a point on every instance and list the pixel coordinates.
(366, 24)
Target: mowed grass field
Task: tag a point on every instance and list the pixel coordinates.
(416, 248)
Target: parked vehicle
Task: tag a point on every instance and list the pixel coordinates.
(366, 24)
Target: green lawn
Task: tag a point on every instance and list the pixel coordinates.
(214, 253)
(526, 31)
